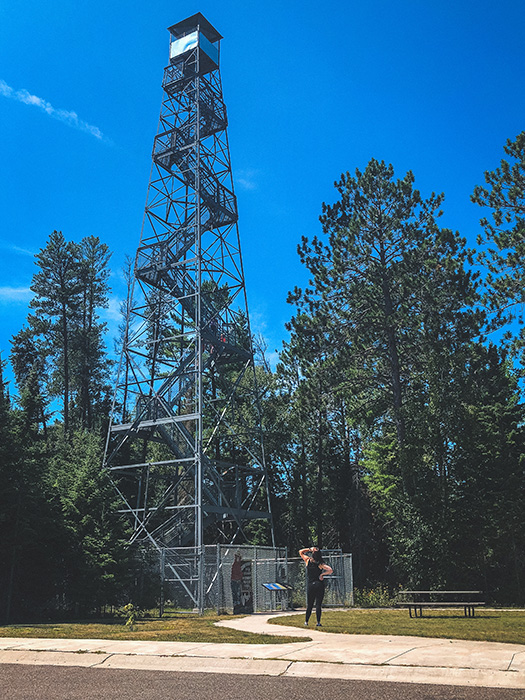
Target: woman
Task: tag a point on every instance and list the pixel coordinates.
(316, 570)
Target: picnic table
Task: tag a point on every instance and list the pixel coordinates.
(417, 600)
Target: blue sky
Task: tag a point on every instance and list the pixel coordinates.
(312, 90)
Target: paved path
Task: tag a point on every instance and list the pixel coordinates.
(325, 655)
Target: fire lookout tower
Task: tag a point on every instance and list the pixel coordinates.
(184, 446)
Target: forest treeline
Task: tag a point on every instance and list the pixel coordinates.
(394, 420)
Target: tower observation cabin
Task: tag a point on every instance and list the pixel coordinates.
(195, 33)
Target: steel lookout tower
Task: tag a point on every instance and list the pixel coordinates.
(185, 448)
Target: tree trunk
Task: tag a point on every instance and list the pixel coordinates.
(319, 485)
(393, 354)
(66, 367)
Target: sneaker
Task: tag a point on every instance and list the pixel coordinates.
(306, 624)
(318, 624)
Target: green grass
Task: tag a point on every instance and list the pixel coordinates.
(181, 628)
(487, 625)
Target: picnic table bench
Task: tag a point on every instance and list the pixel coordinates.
(417, 600)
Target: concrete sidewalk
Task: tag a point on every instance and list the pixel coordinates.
(324, 655)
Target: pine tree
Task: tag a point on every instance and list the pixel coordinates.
(388, 285)
(90, 371)
(382, 331)
(30, 524)
(28, 359)
(95, 556)
(56, 302)
(64, 341)
(504, 234)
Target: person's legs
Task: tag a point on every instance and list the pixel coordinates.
(236, 595)
(319, 595)
(310, 600)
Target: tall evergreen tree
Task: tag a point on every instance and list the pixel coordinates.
(504, 240)
(30, 525)
(386, 281)
(64, 343)
(383, 330)
(28, 359)
(56, 302)
(91, 366)
(95, 559)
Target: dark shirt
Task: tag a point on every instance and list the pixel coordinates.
(236, 571)
(313, 571)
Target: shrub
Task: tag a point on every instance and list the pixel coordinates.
(131, 613)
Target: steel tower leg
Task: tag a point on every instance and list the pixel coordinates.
(184, 446)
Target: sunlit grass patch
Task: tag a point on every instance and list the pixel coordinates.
(181, 628)
(487, 625)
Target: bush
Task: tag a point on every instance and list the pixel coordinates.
(132, 614)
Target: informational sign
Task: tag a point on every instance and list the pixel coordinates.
(276, 586)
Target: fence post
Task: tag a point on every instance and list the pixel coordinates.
(219, 578)
(161, 602)
(351, 581)
(255, 591)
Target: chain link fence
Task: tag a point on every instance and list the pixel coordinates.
(238, 579)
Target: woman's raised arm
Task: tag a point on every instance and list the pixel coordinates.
(303, 555)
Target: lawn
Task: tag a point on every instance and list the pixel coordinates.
(487, 625)
(181, 628)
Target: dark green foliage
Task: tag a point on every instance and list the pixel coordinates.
(64, 338)
(91, 366)
(56, 302)
(61, 537)
(95, 558)
(62, 541)
(489, 492)
(503, 240)
(28, 361)
(29, 527)
(397, 441)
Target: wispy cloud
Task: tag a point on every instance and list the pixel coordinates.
(258, 320)
(246, 179)
(70, 118)
(113, 313)
(259, 326)
(112, 317)
(16, 295)
(16, 249)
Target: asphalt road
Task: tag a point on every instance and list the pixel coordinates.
(24, 682)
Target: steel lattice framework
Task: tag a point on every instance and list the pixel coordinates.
(184, 446)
